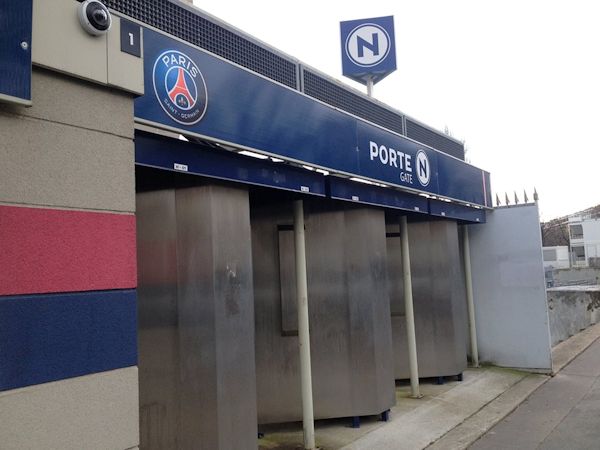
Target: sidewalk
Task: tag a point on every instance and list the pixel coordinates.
(413, 424)
(451, 416)
(474, 427)
(438, 415)
(563, 413)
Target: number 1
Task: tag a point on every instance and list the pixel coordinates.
(131, 39)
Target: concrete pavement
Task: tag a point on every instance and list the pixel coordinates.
(475, 426)
(562, 414)
(453, 416)
(414, 423)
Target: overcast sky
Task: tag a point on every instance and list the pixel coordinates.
(519, 81)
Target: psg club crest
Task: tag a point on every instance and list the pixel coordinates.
(179, 87)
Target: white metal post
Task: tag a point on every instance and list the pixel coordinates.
(470, 303)
(303, 328)
(409, 311)
(370, 86)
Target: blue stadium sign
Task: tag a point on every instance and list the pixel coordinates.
(368, 48)
(193, 92)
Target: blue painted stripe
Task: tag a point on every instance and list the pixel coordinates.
(456, 211)
(342, 189)
(157, 151)
(52, 337)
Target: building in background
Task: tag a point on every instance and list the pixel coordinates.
(556, 257)
(584, 240)
(578, 234)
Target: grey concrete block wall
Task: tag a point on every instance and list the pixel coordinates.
(576, 276)
(571, 310)
(60, 43)
(73, 148)
(83, 104)
(98, 411)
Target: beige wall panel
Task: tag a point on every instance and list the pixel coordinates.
(125, 71)
(60, 98)
(59, 41)
(45, 163)
(98, 411)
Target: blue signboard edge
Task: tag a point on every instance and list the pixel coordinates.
(14, 54)
(152, 150)
(355, 192)
(163, 153)
(456, 211)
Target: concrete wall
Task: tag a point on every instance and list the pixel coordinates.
(96, 411)
(572, 309)
(72, 149)
(68, 375)
(509, 289)
(576, 276)
(591, 230)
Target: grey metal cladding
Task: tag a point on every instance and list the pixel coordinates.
(433, 139)
(336, 95)
(198, 30)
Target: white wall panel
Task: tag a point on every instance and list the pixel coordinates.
(509, 289)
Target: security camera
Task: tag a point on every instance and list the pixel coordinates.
(94, 17)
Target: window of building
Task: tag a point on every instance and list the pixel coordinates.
(578, 253)
(576, 231)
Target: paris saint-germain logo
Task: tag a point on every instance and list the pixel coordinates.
(179, 87)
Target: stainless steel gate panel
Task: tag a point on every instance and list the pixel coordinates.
(458, 307)
(329, 310)
(348, 308)
(158, 342)
(438, 295)
(277, 359)
(369, 310)
(196, 338)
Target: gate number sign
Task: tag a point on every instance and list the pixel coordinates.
(131, 35)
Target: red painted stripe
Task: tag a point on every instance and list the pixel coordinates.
(47, 250)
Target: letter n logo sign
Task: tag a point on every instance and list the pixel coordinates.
(423, 168)
(367, 45)
(368, 49)
(373, 45)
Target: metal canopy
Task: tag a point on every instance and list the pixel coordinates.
(152, 150)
